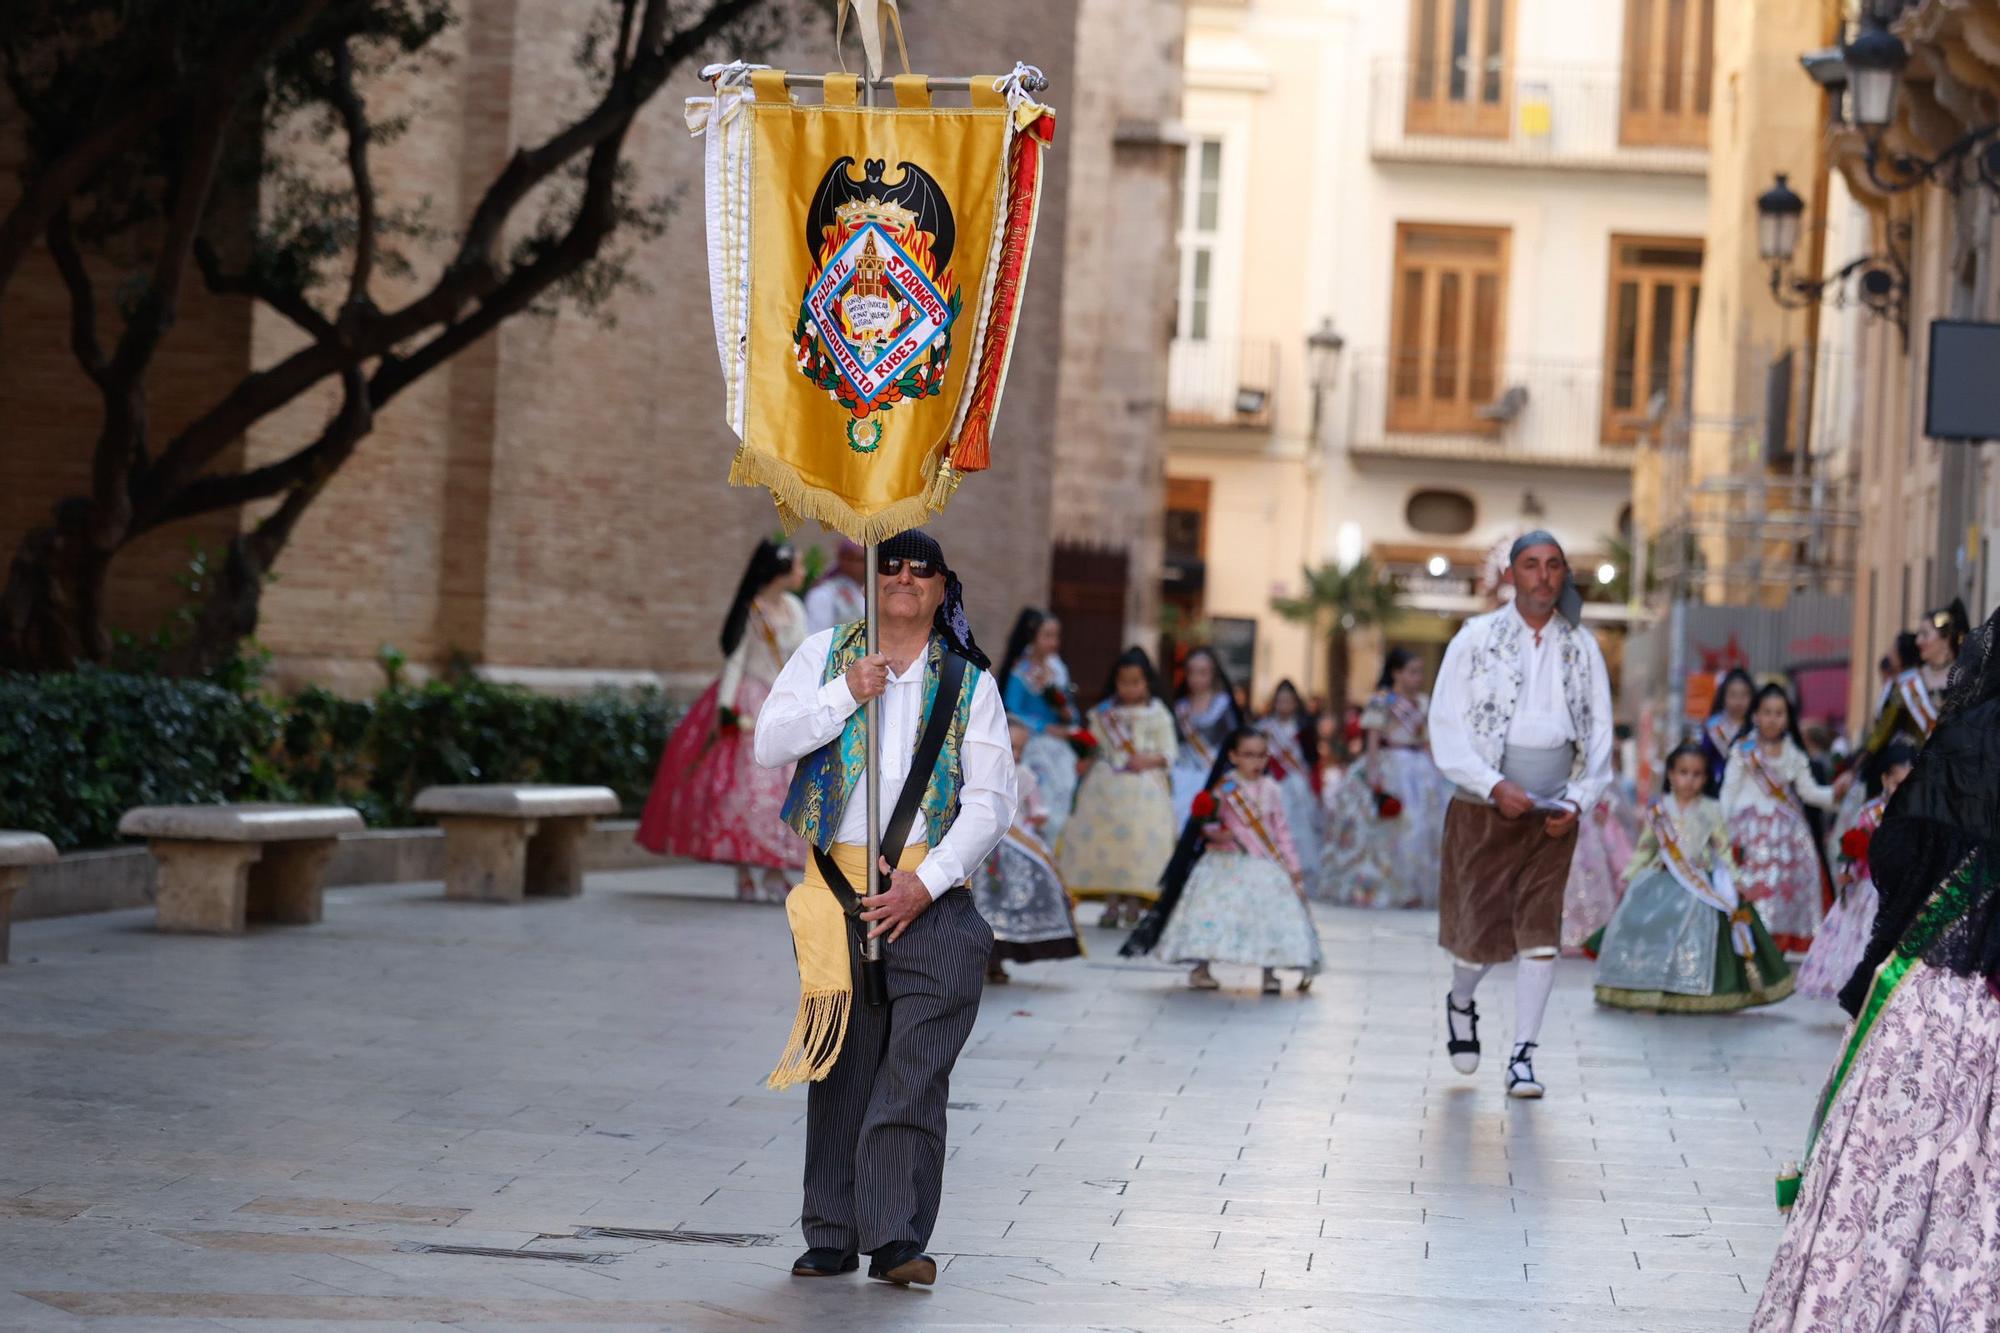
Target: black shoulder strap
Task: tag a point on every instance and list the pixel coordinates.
(951, 683)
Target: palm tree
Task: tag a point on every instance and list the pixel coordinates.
(1338, 601)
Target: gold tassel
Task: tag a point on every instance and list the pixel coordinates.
(817, 1035)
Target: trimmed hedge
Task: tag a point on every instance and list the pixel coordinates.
(78, 750)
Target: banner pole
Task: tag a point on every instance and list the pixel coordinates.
(872, 629)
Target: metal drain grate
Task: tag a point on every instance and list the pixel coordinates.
(486, 1252)
(963, 1106)
(738, 1239)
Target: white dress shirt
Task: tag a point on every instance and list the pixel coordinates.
(834, 600)
(1541, 716)
(802, 715)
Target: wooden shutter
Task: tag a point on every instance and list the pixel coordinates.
(1447, 333)
(1460, 75)
(1649, 321)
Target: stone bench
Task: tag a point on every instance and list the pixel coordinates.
(18, 851)
(503, 841)
(220, 866)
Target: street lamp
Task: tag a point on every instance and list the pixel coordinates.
(1780, 213)
(1875, 60)
(1880, 280)
(1606, 572)
(1323, 348)
(1438, 566)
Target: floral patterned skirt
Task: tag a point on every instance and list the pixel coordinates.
(1596, 877)
(711, 802)
(1021, 895)
(1897, 1225)
(1411, 846)
(1053, 762)
(1239, 908)
(1843, 937)
(1122, 835)
(1351, 869)
(1780, 873)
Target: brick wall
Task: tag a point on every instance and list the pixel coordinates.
(555, 497)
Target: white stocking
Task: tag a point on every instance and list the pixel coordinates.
(1534, 978)
(1465, 979)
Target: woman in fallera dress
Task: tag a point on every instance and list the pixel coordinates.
(1727, 717)
(1295, 763)
(1234, 892)
(1036, 687)
(1682, 939)
(1206, 713)
(1893, 1227)
(710, 801)
(1843, 936)
(1118, 841)
(1765, 790)
(1396, 725)
(1351, 871)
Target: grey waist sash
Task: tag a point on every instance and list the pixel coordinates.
(1539, 772)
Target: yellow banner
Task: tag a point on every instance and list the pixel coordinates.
(865, 263)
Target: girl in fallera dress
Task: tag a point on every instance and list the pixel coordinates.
(1682, 938)
(1351, 872)
(1765, 790)
(1118, 842)
(1843, 936)
(710, 801)
(1234, 892)
(1893, 1223)
(1727, 717)
(1396, 725)
(1206, 713)
(1295, 763)
(1019, 890)
(1036, 687)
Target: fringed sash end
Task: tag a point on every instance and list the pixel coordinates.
(817, 1035)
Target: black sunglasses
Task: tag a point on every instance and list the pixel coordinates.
(892, 565)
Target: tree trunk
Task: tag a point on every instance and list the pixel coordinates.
(228, 615)
(52, 608)
(1336, 674)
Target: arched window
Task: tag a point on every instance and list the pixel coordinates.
(1441, 513)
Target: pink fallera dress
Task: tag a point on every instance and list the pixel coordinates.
(710, 801)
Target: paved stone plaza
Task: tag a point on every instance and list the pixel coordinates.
(413, 1115)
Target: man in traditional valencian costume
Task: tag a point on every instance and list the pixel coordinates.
(1521, 724)
(879, 1064)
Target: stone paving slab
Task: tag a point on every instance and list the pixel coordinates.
(278, 1132)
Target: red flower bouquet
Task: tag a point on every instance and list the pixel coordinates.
(1083, 742)
(1204, 806)
(1387, 806)
(1854, 845)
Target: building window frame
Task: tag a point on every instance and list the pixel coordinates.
(1444, 363)
(1634, 362)
(1460, 71)
(1200, 238)
(1668, 73)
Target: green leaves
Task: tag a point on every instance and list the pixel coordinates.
(1350, 598)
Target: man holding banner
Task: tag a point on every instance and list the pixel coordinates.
(880, 1066)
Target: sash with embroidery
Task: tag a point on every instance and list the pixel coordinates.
(1916, 697)
(1029, 844)
(1285, 747)
(1715, 889)
(1410, 714)
(1121, 736)
(1719, 734)
(1778, 790)
(770, 634)
(1246, 809)
(1202, 749)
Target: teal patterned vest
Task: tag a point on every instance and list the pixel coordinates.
(829, 777)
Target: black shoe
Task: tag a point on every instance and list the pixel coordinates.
(1521, 1080)
(825, 1261)
(903, 1263)
(1464, 1052)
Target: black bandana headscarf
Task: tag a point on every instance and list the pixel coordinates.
(950, 621)
(1569, 602)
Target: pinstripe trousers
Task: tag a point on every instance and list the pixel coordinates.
(875, 1125)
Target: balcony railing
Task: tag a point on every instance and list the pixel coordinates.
(1214, 382)
(1546, 116)
(1542, 413)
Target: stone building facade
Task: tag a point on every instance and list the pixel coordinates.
(552, 504)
